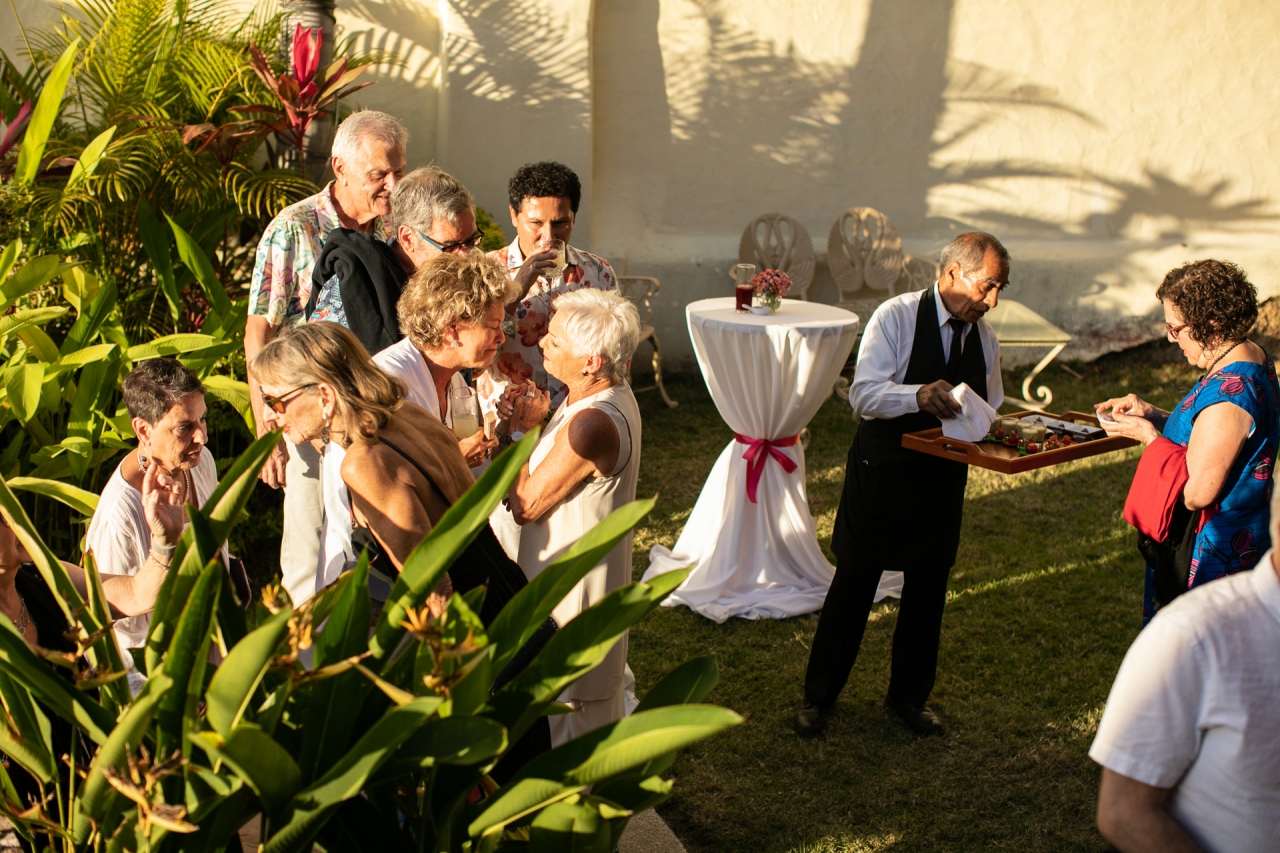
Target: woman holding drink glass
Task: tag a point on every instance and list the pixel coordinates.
(451, 313)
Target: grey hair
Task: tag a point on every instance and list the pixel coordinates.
(366, 124)
(970, 250)
(427, 194)
(603, 323)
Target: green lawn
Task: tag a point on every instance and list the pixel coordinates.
(1044, 600)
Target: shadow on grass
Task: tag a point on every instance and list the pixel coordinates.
(1044, 600)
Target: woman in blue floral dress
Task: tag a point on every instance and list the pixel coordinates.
(1229, 422)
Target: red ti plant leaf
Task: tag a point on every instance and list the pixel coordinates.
(306, 52)
(16, 127)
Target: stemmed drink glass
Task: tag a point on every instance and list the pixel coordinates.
(742, 275)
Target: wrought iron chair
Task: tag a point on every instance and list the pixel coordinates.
(775, 241)
(640, 289)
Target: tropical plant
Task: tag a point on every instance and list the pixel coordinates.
(146, 105)
(63, 354)
(383, 742)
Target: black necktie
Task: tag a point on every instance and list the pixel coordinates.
(957, 338)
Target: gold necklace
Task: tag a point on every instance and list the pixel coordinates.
(24, 618)
(1225, 353)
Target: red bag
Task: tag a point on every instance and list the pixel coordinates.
(1157, 488)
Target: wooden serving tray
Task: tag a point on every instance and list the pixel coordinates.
(1006, 460)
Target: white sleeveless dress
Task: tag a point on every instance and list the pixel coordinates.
(597, 697)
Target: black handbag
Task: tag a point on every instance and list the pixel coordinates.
(1171, 559)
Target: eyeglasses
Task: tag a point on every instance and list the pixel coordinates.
(469, 243)
(276, 404)
(1174, 331)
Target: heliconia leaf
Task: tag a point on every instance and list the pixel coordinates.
(11, 323)
(577, 827)
(576, 649)
(8, 258)
(258, 759)
(89, 158)
(155, 242)
(81, 500)
(89, 321)
(234, 392)
(96, 795)
(114, 691)
(238, 677)
(597, 756)
(26, 740)
(455, 530)
(75, 706)
(32, 275)
(223, 506)
(22, 383)
(170, 345)
(335, 702)
(39, 343)
(48, 105)
(531, 606)
(187, 654)
(689, 683)
(311, 807)
(88, 355)
(449, 740)
(198, 262)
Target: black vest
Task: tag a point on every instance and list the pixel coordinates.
(928, 364)
(898, 501)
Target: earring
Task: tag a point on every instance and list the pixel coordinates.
(324, 431)
(455, 344)
(584, 371)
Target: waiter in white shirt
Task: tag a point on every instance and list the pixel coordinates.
(900, 508)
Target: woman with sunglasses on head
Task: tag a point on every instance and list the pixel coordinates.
(358, 278)
(1226, 426)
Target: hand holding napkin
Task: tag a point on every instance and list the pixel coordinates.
(973, 420)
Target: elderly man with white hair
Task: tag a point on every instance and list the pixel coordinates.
(585, 466)
(368, 161)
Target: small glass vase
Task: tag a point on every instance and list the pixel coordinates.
(770, 301)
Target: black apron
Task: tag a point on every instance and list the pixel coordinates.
(902, 507)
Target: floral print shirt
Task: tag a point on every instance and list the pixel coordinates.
(288, 253)
(520, 359)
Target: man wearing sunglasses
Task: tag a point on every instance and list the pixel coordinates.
(359, 277)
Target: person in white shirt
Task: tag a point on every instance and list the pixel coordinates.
(141, 514)
(900, 508)
(1189, 742)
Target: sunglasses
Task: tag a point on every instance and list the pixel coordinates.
(276, 404)
(469, 243)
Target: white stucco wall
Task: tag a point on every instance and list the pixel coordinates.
(1103, 142)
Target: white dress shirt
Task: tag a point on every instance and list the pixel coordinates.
(877, 390)
(403, 361)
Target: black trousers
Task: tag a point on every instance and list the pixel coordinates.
(896, 513)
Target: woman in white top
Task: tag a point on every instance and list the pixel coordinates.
(451, 313)
(141, 514)
(585, 466)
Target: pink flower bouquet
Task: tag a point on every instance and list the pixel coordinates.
(771, 286)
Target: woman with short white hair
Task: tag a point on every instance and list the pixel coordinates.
(585, 466)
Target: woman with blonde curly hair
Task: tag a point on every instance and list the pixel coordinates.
(451, 313)
(1226, 428)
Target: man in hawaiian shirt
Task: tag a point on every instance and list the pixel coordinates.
(543, 199)
(368, 160)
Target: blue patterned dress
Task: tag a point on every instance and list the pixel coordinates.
(1237, 532)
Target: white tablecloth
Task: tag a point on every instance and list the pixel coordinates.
(768, 376)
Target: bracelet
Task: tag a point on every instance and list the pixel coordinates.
(163, 550)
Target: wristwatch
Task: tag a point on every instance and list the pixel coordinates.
(505, 441)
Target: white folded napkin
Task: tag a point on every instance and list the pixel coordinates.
(973, 420)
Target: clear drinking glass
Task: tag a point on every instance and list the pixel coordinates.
(556, 246)
(465, 408)
(742, 275)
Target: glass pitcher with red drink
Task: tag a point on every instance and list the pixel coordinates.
(742, 275)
